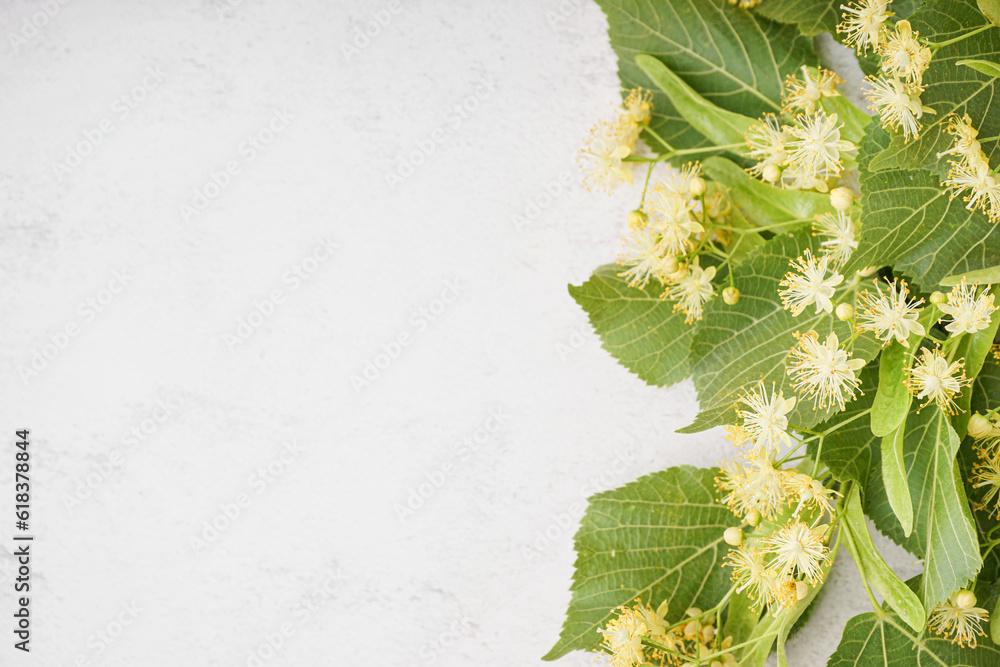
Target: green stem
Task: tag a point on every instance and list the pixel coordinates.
(670, 149)
(989, 139)
(645, 186)
(819, 451)
(938, 45)
(845, 422)
(747, 230)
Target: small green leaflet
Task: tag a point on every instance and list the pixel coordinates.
(870, 642)
(983, 276)
(658, 538)
(984, 66)
(761, 202)
(893, 398)
(636, 326)
(733, 58)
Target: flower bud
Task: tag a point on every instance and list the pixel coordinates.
(670, 264)
(979, 426)
(637, 219)
(938, 297)
(731, 295)
(691, 629)
(965, 599)
(707, 634)
(771, 173)
(697, 187)
(733, 536)
(845, 312)
(752, 518)
(842, 198)
(693, 611)
(867, 271)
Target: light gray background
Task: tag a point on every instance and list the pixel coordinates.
(147, 424)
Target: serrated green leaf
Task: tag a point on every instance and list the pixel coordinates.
(871, 642)
(721, 126)
(731, 57)
(984, 66)
(897, 489)
(949, 88)
(943, 531)
(735, 347)
(658, 538)
(893, 398)
(762, 203)
(636, 326)
(874, 569)
(910, 223)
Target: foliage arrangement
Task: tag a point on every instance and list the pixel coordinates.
(827, 277)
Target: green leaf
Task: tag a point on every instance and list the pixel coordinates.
(991, 10)
(721, 126)
(760, 202)
(736, 347)
(910, 223)
(984, 66)
(741, 620)
(658, 538)
(636, 326)
(851, 451)
(897, 489)
(731, 57)
(948, 88)
(983, 276)
(893, 398)
(874, 569)
(943, 531)
(872, 642)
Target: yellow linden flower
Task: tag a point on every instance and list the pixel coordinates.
(823, 371)
(934, 378)
(982, 184)
(841, 235)
(970, 313)
(750, 573)
(798, 550)
(960, 618)
(903, 55)
(766, 422)
(810, 492)
(638, 106)
(601, 157)
(890, 315)
(816, 145)
(623, 638)
(691, 288)
(897, 104)
(810, 285)
(645, 257)
(767, 144)
(670, 214)
(863, 20)
(966, 144)
(756, 487)
(805, 95)
(986, 473)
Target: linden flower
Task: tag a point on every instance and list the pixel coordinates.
(643, 254)
(890, 315)
(758, 487)
(798, 550)
(863, 23)
(638, 106)
(987, 473)
(679, 182)
(810, 492)
(750, 573)
(623, 638)
(839, 229)
(971, 313)
(966, 142)
(787, 592)
(655, 621)
(823, 371)
(765, 422)
(817, 144)
(805, 94)
(804, 177)
(691, 289)
(601, 157)
(960, 618)
(934, 378)
(670, 215)
(766, 142)
(809, 285)
(898, 105)
(903, 55)
(983, 187)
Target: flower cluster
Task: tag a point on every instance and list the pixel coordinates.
(693, 637)
(970, 170)
(960, 618)
(610, 142)
(935, 378)
(895, 92)
(986, 472)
